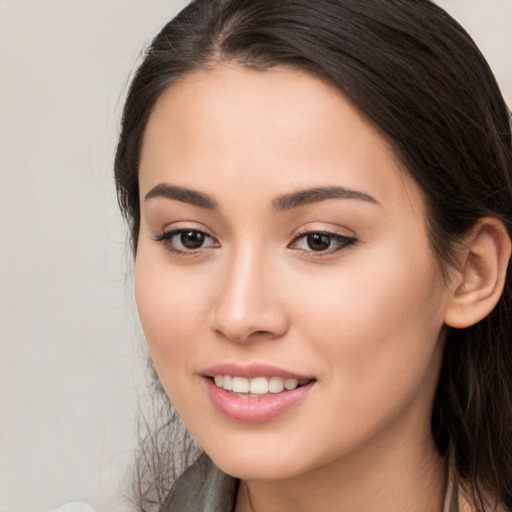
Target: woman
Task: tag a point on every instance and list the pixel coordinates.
(320, 202)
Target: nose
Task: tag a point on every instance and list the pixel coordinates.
(249, 302)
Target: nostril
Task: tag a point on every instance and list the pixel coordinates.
(259, 334)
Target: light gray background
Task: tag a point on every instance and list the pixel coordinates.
(71, 366)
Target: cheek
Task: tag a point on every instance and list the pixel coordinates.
(376, 335)
(377, 320)
(168, 306)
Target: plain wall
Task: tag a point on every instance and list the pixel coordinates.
(71, 366)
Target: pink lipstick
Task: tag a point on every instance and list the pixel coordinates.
(255, 393)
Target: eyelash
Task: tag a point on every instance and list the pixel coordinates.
(342, 242)
(165, 239)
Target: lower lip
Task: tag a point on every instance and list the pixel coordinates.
(256, 409)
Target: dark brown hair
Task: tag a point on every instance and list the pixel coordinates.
(416, 75)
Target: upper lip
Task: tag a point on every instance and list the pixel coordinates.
(250, 371)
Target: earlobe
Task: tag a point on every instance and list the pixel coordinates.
(479, 283)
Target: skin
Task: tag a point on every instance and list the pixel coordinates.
(364, 318)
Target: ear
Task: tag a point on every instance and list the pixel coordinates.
(478, 285)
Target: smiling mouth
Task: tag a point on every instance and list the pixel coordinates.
(255, 393)
(257, 386)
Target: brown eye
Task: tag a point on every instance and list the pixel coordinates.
(318, 241)
(192, 239)
(186, 241)
(322, 242)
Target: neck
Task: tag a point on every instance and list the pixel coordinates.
(387, 478)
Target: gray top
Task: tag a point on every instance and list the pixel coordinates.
(203, 487)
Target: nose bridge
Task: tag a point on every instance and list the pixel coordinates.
(247, 305)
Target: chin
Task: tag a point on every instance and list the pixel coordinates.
(259, 458)
(259, 469)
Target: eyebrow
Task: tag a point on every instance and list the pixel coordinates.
(315, 195)
(185, 195)
(282, 203)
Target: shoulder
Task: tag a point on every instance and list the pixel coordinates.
(75, 506)
(202, 488)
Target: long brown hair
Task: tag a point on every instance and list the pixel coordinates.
(417, 75)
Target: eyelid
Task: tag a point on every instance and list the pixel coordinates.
(165, 237)
(344, 241)
(329, 229)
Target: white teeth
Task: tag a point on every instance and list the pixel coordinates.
(257, 385)
(240, 385)
(290, 384)
(227, 382)
(276, 384)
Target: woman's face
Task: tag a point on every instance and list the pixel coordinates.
(283, 246)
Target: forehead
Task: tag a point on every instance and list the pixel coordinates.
(245, 127)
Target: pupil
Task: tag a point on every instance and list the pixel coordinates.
(319, 242)
(192, 239)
